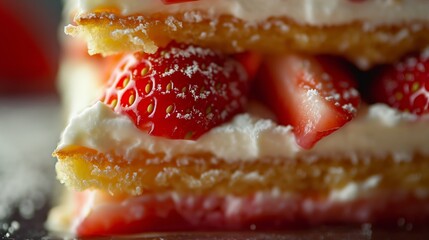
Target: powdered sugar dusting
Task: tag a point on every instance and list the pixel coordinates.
(311, 12)
(322, 85)
(196, 12)
(180, 87)
(349, 108)
(28, 133)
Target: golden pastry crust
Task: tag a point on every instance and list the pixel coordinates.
(109, 33)
(83, 168)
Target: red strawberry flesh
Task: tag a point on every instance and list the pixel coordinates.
(176, 1)
(251, 61)
(180, 92)
(316, 96)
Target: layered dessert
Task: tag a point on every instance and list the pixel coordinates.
(244, 115)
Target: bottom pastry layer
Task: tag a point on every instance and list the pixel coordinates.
(92, 213)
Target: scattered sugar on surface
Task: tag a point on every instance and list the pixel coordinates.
(10, 229)
(366, 230)
(403, 224)
(28, 134)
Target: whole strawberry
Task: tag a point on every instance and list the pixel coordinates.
(180, 92)
(404, 85)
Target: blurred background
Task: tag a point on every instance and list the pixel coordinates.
(30, 121)
(29, 46)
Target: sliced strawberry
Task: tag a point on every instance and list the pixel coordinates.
(251, 61)
(405, 85)
(176, 1)
(314, 95)
(180, 92)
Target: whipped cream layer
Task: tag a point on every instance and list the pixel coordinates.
(377, 131)
(314, 12)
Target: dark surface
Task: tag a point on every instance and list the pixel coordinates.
(29, 130)
(32, 228)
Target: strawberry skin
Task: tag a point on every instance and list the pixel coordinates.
(404, 85)
(316, 96)
(176, 1)
(180, 92)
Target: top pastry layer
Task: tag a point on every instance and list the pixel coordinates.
(313, 12)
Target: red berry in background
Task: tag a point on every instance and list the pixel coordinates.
(29, 47)
(180, 92)
(316, 96)
(404, 85)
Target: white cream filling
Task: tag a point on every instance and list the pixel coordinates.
(378, 131)
(314, 12)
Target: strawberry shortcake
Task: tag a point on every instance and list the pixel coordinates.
(244, 115)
